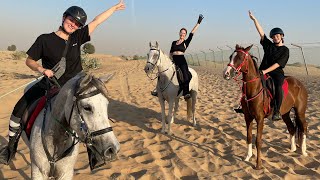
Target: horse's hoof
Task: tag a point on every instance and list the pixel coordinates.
(194, 124)
(293, 149)
(247, 158)
(258, 168)
(305, 154)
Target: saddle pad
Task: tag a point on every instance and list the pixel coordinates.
(285, 88)
(34, 115)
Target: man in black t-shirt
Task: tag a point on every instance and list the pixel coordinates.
(50, 49)
(275, 58)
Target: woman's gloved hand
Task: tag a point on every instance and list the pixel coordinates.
(200, 18)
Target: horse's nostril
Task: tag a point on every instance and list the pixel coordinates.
(109, 151)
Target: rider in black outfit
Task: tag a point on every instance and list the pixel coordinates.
(177, 50)
(275, 58)
(49, 48)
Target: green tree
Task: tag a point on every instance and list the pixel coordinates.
(88, 48)
(12, 48)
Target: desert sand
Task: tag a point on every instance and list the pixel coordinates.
(214, 149)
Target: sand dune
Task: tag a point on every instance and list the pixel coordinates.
(215, 149)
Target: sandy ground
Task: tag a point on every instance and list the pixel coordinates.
(215, 149)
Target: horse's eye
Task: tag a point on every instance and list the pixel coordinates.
(155, 56)
(87, 108)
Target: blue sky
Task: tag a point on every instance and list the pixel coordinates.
(128, 32)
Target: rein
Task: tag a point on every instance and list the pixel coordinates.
(243, 89)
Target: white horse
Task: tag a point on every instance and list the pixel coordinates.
(79, 114)
(168, 86)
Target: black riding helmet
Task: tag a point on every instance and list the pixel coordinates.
(77, 13)
(275, 31)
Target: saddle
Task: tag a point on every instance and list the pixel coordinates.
(268, 84)
(34, 109)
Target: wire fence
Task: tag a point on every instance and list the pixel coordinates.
(306, 55)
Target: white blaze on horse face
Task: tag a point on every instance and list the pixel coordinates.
(227, 72)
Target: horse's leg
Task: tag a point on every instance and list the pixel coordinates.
(163, 114)
(35, 172)
(189, 112)
(170, 115)
(259, 141)
(176, 108)
(302, 124)
(286, 118)
(194, 101)
(249, 124)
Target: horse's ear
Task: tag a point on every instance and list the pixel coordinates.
(150, 45)
(248, 48)
(86, 80)
(237, 46)
(157, 45)
(106, 78)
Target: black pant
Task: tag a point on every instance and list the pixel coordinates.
(278, 79)
(36, 91)
(181, 62)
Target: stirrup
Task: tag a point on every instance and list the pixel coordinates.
(5, 155)
(154, 93)
(238, 110)
(187, 96)
(276, 116)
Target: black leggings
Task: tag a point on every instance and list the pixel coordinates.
(36, 91)
(181, 62)
(278, 79)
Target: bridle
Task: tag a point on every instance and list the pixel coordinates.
(88, 135)
(245, 63)
(155, 64)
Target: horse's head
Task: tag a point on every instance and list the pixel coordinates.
(238, 62)
(89, 119)
(152, 58)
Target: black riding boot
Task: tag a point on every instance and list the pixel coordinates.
(186, 92)
(276, 111)
(8, 152)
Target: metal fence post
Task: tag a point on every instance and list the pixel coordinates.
(205, 57)
(305, 64)
(258, 52)
(222, 56)
(213, 58)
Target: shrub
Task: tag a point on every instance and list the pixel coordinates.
(135, 57)
(89, 63)
(12, 48)
(19, 55)
(88, 48)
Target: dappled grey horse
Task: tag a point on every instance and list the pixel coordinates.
(79, 113)
(168, 86)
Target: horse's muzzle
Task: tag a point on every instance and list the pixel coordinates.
(110, 154)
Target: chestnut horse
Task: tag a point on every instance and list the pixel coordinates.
(255, 100)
